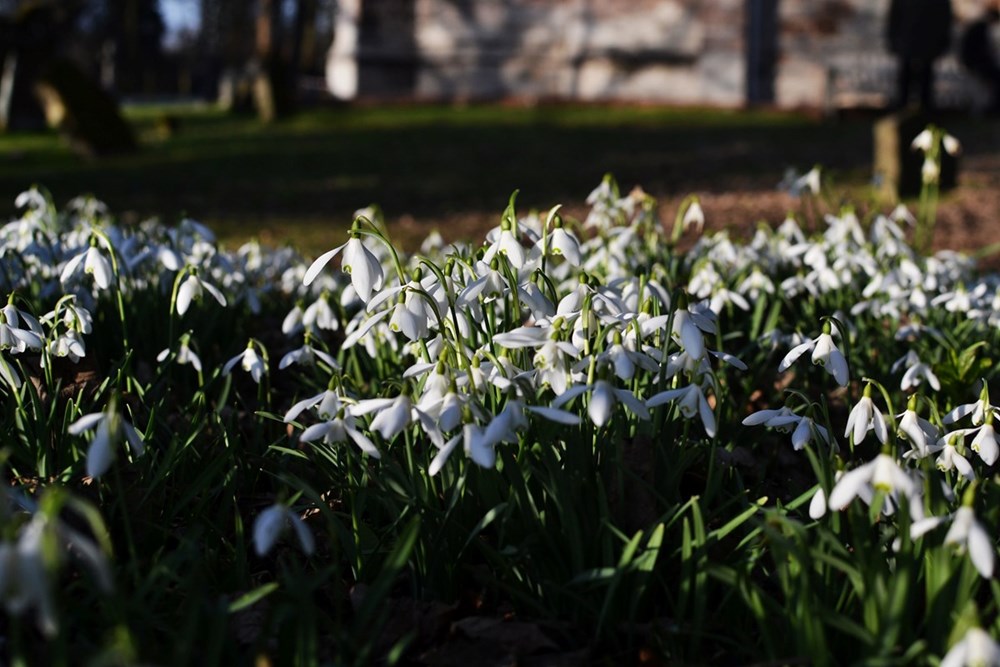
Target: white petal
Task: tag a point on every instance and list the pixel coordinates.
(442, 456)
(849, 486)
(317, 266)
(302, 532)
(794, 354)
(85, 423)
(981, 549)
(602, 402)
(100, 453)
(268, 527)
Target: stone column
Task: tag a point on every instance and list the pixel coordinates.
(342, 58)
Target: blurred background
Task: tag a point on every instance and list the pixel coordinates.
(279, 118)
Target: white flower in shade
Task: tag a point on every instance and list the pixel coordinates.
(824, 353)
(930, 172)
(479, 444)
(109, 429)
(916, 372)
(273, 521)
(603, 397)
(364, 268)
(94, 263)
(250, 362)
(881, 474)
(691, 401)
(976, 649)
(192, 289)
(306, 356)
(686, 330)
(185, 355)
(338, 425)
(866, 417)
(16, 338)
(967, 534)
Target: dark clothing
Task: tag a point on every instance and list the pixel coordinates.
(919, 32)
(977, 55)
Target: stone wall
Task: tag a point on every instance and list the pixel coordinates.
(657, 50)
(822, 53)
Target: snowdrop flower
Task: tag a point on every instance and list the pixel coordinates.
(269, 525)
(109, 429)
(916, 372)
(694, 216)
(192, 289)
(976, 649)
(950, 459)
(94, 263)
(918, 431)
(866, 417)
(16, 338)
(307, 355)
(363, 266)
(923, 141)
(691, 401)
(249, 360)
(978, 410)
(338, 425)
(603, 396)
(883, 473)
(824, 353)
(563, 242)
(185, 355)
(477, 445)
(967, 534)
(951, 145)
(985, 443)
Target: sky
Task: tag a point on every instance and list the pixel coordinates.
(179, 15)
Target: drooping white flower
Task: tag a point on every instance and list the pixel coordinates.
(967, 534)
(249, 360)
(603, 397)
(94, 263)
(364, 268)
(110, 428)
(691, 401)
(192, 289)
(882, 473)
(866, 417)
(976, 649)
(825, 353)
(273, 521)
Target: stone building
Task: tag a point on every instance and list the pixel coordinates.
(787, 53)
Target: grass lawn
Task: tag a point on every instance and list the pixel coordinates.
(300, 180)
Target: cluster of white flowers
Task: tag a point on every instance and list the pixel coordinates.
(590, 328)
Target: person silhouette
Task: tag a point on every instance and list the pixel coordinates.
(978, 56)
(919, 33)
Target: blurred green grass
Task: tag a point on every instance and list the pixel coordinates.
(301, 179)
